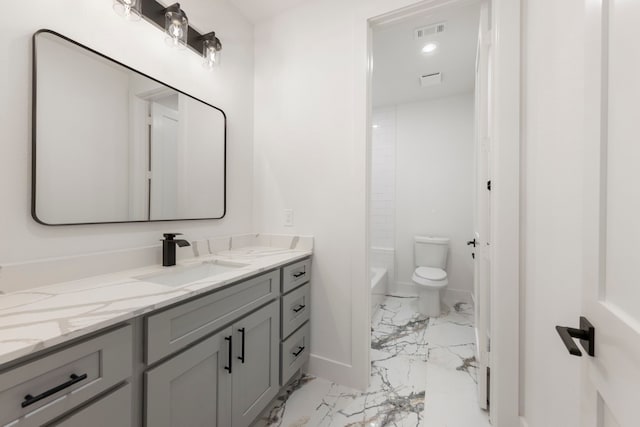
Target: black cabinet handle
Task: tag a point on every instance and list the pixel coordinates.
(472, 243)
(299, 308)
(230, 339)
(586, 334)
(241, 357)
(73, 379)
(300, 274)
(300, 350)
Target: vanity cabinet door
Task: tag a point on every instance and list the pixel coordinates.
(193, 388)
(256, 366)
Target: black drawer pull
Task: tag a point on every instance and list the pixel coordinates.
(230, 339)
(73, 379)
(302, 273)
(241, 358)
(299, 308)
(300, 350)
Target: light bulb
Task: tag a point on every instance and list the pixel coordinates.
(211, 50)
(176, 26)
(176, 31)
(128, 9)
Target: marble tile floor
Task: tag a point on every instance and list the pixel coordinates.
(422, 374)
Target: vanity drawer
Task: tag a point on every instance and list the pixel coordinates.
(109, 411)
(177, 327)
(39, 391)
(294, 352)
(295, 309)
(295, 275)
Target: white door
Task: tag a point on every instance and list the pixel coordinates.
(164, 162)
(611, 300)
(481, 277)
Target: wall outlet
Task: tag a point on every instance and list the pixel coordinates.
(288, 217)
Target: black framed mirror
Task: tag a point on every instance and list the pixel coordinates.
(113, 145)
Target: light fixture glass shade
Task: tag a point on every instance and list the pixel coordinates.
(211, 48)
(128, 9)
(176, 26)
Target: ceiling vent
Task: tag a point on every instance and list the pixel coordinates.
(432, 79)
(429, 30)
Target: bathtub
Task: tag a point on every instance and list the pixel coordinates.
(379, 284)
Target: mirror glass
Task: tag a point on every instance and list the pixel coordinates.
(111, 144)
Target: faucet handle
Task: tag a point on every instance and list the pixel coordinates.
(170, 236)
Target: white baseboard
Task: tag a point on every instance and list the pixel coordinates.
(403, 289)
(523, 422)
(450, 296)
(453, 296)
(334, 371)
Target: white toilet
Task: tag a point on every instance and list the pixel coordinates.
(430, 258)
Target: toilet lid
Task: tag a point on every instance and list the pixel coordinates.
(431, 273)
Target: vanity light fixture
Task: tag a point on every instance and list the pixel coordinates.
(128, 9)
(211, 48)
(175, 24)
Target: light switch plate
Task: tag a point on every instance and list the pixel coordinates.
(288, 217)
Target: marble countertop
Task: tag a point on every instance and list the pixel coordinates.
(39, 318)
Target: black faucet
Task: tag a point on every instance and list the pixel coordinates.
(169, 248)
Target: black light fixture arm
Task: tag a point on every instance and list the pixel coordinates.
(154, 12)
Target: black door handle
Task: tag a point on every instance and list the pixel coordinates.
(586, 334)
(230, 339)
(241, 357)
(73, 378)
(472, 243)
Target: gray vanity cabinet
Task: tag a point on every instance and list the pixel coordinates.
(295, 333)
(193, 388)
(255, 367)
(225, 380)
(112, 410)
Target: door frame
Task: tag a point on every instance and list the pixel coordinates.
(505, 193)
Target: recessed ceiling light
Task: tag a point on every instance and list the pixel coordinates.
(375, 126)
(430, 47)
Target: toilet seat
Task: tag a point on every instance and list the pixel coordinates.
(433, 278)
(431, 273)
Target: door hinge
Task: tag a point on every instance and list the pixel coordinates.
(149, 121)
(489, 185)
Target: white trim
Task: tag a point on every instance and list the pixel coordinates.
(404, 289)
(452, 296)
(505, 204)
(505, 211)
(331, 370)
(449, 295)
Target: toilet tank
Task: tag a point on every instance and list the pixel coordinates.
(430, 251)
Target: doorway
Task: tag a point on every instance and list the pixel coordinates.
(429, 207)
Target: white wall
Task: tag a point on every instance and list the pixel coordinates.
(382, 205)
(141, 46)
(311, 155)
(434, 183)
(553, 157)
(383, 178)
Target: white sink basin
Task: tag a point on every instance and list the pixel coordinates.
(182, 275)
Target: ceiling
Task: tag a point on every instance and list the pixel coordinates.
(398, 61)
(260, 10)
